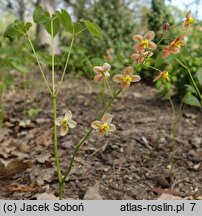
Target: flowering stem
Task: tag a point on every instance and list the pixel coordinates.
(192, 79)
(80, 143)
(54, 98)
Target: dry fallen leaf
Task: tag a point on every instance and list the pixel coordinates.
(14, 167)
(12, 146)
(25, 188)
(41, 176)
(195, 156)
(43, 157)
(45, 138)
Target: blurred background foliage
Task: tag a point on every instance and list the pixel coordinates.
(119, 20)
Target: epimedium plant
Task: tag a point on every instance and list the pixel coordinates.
(193, 95)
(102, 125)
(52, 24)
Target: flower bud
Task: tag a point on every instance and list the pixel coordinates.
(166, 26)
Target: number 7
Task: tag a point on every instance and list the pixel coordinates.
(193, 204)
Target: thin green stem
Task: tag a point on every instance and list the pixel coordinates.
(65, 67)
(175, 121)
(161, 38)
(189, 72)
(109, 104)
(173, 107)
(86, 137)
(181, 63)
(39, 64)
(75, 153)
(54, 98)
(155, 68)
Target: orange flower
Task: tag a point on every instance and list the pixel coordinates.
(144, 42)
(126, 78)
(65, 122)
(164, 75)
(189, 20)
(101, 72)
(104, 126)
(174, 46)
(141, 55)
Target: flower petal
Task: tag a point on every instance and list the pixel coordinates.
(157, 77)
(152, 45)
(135, 56)
(180, 37)
(148, 53)
(68, 115)
(72, 124)
(107, 118)
(140, 60)
(166, 53)
(139, 48)
(149, 35)
(174, 50)
(188, 15)
(112, 127)
(63, 131)
(96, 124)
(106, 67)
(118, 78)
(124, 85)
(58, 121)
(137, 38)
(128, 71)
(98, 69)
(135, 78)
(98, 77)
(100, 133)
(106, 74)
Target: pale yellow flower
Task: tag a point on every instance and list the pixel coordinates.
(104, 126)
(65, 122)
(101, 72)
(126, 78)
